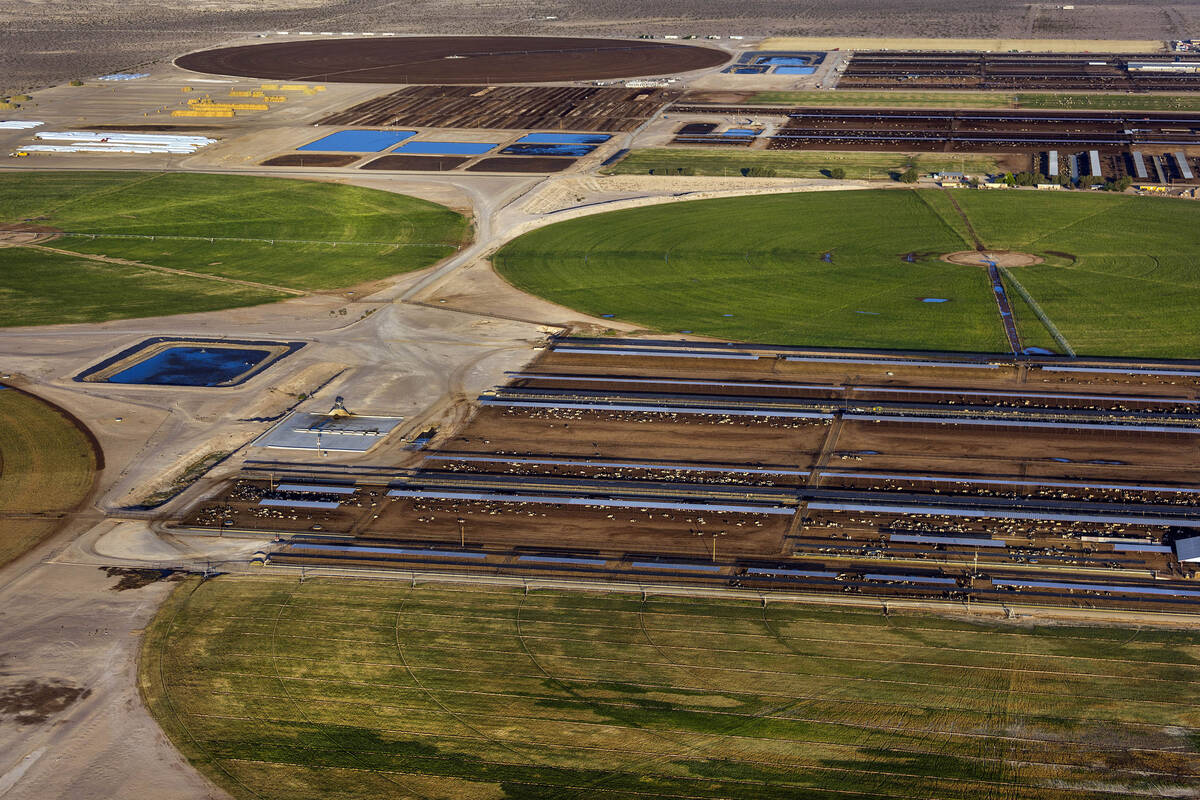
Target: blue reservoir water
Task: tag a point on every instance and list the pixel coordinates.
(786, 61)
(795, 70)
(445, 148)
(574, 150)
(934, 300)
(358, 141)
(191, 366)
(742, 132)
(564, 138)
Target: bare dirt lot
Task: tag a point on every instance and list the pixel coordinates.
(530, 164)
(50, 42)
(571, 108)
(453, 59)
(311, 160)
(71, 720)
(421, 163)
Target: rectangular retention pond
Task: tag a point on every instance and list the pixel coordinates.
(358, 141)
(564, 138)
(192, 366)
(182, 361)
(531, 149)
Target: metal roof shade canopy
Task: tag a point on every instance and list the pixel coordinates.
(1188, 550)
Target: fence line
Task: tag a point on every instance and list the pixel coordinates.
(213, 239)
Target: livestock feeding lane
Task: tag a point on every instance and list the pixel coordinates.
(573, 108)
(1016, 481)
(949, 130)
(1017, 71)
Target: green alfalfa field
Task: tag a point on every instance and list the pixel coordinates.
(1120, 273)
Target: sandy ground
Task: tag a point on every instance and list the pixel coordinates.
(47, 42)
(72, 724)
(950, 44)
(402, 360)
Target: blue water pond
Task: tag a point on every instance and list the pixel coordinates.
(786, 61)
(358, 141)
(564, 138)
(574, 150)
(191, 366)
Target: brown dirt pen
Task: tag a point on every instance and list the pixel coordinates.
(453, 59)
(312, 160)
(570, 108)
(717, 458)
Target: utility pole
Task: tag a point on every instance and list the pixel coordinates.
(462, 533)
(714, 544)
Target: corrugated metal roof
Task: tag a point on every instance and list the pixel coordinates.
(1139, 166)
(1188, 549)
(1184, 169)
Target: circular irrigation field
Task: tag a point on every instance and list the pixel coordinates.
(452, 59)
(144, 244)
(1105, 274)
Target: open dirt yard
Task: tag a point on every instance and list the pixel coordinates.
(50, 42)
(453, 59)
(71, 721)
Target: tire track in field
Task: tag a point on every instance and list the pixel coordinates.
(1118, 641)
(436, 700)
(187, 273)
(891, 728)
(967, 669)
(321, 727)
(868, 731)
(901, 707)
(162, 679)
(886, 777)
(1052, 765)
(890, 681)
(778, 712)
(629, 721)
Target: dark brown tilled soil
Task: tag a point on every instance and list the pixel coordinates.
(311, 160)
(555, 108)
(422, 163)
(453, 59)
(521, 164)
